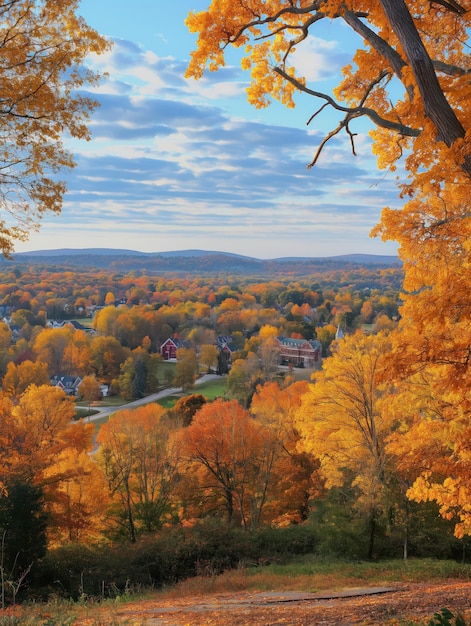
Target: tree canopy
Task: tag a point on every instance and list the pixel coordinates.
(422, 48)
(43, 44)
(409, 76)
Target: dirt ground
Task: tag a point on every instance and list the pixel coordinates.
(372, 606)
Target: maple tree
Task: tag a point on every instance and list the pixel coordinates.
(43, 45)
(233, 459)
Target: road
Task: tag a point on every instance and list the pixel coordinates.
(107, 411)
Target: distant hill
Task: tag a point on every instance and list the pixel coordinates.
(362, 259)
(195, 261)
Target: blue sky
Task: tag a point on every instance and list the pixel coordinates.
(176, 164)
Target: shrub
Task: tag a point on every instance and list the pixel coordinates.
(209, 548)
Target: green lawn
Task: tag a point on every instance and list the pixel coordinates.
(210, 389)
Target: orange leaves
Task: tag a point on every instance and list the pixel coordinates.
(248, 468)
(140, 457)
(42, 52)
(42, 444)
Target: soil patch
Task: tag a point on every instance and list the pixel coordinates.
(367, 607)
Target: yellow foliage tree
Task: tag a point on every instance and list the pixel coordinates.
(342, 424)
(49, 450)
(408, 76)
(295, 480)
(43, 45)
(432, 443)
(19, 377)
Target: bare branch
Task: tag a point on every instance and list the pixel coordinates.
(291, 10)
(353, 111)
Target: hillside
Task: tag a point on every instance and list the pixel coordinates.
(196, 262)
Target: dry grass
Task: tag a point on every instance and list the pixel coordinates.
(308, 574)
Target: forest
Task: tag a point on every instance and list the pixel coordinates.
(367, 455)
(325, 453)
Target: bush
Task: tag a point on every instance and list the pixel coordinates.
(76, 571)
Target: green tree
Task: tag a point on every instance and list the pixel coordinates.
(22, 526)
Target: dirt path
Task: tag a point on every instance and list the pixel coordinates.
(372, 607)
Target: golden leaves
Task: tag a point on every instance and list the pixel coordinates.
(42, 49)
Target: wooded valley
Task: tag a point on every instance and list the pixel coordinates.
(336, 453)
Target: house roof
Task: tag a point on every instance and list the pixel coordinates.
(66, 381)
(297, 343)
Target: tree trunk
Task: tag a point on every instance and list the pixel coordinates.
(436, 106)
(372, 535)
(229, 505)
(129, 513)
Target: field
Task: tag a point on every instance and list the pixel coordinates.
(304, 592)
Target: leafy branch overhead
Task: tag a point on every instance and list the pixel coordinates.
(43, 45)
(408, 74)
(397, 42)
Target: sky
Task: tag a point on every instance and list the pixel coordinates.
(178, 164)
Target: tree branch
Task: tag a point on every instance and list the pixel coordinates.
(352, 111)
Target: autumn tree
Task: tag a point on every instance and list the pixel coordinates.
(49, 451)
(140, 458)
(185, 408)
(234, 457)
(43, 79)
(409, 77)
(269, 352)
(89, 389)
(294, 480)
(50, 345)
(186, 368)
(394, 42)
(432, 444)
(243, 378)
(209, 356)
(5, 344)
(19, 377)
(106, 356)
(77, 354)
(343, 426)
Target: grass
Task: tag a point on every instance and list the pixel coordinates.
(311, 573)
(63, 613)
(210, 389)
